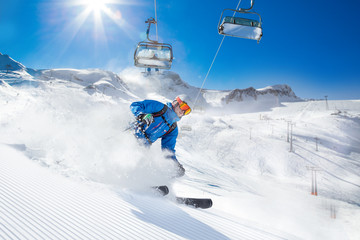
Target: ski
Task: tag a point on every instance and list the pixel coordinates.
(195, 202)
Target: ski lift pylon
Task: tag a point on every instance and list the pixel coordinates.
(152, 54)
(242, 27)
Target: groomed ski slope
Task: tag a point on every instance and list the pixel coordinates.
(68, 170)
(38, 204)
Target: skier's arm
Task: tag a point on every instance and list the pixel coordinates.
(168, 142)
(146, 106)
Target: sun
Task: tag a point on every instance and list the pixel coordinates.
(95, 5)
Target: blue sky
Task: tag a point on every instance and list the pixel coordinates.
(313, 46)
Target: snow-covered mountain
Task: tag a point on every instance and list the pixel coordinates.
(13, 72)
(7, 63)
(283, 92)
(69, 169)
(167, 85)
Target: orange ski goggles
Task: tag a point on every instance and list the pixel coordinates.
(183, 106)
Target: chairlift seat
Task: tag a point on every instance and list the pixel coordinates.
(153, 55)
(241, 27)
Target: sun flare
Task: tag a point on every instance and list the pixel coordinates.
(96, 17)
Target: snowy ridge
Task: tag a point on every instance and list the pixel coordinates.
(7, 63)
(283, 92)
(166, 86)
(95, 80)
(15, 73)
(162, 87)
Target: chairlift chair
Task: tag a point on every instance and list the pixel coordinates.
(152, 54)
(249, 28)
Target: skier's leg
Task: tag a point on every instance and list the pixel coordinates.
(180, 170)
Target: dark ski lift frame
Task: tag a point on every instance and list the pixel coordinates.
(241, 27)
(152, 54)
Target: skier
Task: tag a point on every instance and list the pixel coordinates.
(157, 120)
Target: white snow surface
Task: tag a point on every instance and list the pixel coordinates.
(69, 169)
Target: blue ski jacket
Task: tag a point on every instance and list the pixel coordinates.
(159, 128)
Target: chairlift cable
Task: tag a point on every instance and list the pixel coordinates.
(235, 8)
(208, 72)
(212, 62)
